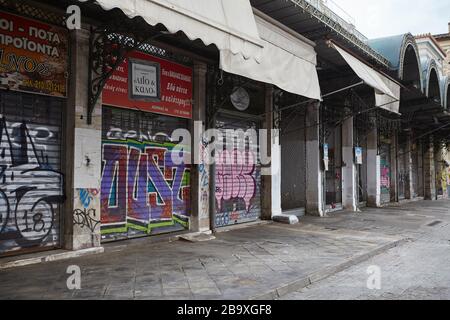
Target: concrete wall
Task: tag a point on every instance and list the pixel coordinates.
(83, 153)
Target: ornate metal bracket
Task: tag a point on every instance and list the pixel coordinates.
(107, 51)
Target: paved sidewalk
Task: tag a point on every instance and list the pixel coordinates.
(419, 269)
(263, 261)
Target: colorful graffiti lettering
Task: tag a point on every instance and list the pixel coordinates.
(235, 177)
(142, 188)
(30, 189)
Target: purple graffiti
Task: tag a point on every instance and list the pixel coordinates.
(235, 177)
(142, 185)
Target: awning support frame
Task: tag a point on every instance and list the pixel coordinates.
(105, 59)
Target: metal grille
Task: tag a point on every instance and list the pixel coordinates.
(31, 184)
(24, 8)
(143, 191)
(166, 54)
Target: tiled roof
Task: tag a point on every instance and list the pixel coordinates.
(433, 39)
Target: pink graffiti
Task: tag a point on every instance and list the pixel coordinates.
(235, 177)
(385, 179)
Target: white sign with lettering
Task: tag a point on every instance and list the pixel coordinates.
(145, 80)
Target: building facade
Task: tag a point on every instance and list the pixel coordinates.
(108, 127)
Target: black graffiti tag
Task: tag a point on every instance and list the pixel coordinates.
(86, 219)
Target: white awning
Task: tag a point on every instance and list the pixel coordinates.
(229, 25)
(387, 92)
(287, 60)
(387, 102)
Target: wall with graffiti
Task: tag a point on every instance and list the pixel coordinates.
(86, 216)
(143, 191)
(31, 184)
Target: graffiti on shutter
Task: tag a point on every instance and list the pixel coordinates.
(143, 191)
(238, 180)
(31, 186)
(385, 171)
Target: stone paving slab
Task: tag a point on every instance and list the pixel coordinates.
(239, 264)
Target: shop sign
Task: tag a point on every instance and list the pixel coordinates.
(144, 84)
(359, 155)
(147, 83)
(33, 56)
(326, 158)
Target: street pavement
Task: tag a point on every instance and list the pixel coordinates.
(264, 261)
(417, 270)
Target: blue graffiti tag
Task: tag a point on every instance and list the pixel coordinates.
(85, 198)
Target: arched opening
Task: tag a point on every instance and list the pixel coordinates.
(411, 69)
(434, 92)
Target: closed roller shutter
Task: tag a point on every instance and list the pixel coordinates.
(31, 183)
(143, 192)
(385, 172)
(403, 175)
(415, 172)
(238, 183)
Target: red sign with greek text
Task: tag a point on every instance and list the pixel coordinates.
(134, 87)
(33, 56)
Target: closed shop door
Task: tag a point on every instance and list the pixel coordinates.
(441, 179)
(333, 177)
(415, 171)
(31, 183)
(143, 190)
(385, 171)
(361, 141)
(402, 172)
(238, 175)
(293, 163)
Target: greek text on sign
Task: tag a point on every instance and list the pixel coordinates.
(145, 80)
(33, 56)
(147, 83)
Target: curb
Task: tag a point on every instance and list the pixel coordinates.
(306, 281)
(46, 257)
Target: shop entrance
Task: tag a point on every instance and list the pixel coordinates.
(143, 191)
(31, 182)
(237, 171)
(403, 172)
(333, 177)
(385, 169)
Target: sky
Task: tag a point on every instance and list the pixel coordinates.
(381, 18)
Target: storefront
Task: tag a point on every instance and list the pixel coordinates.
(385, 169)
(403, 168)
(293, 156)
(144, 191)
(332, 150)
(441, 174)
(362, 129)
(236, 107)
(33, 89)
(417, 170)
